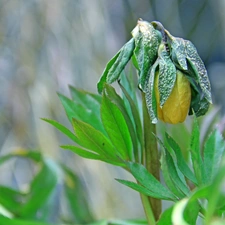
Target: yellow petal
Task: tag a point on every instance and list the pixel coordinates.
(176, 107)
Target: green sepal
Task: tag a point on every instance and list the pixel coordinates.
(199, 68)
(185, 56)
(150, 94)
(178, 53)
(199, 104)
(147, 41)
(116, 65)
(167, 77)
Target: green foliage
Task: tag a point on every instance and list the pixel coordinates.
(116, 65)
(147, 183)
(38, 204)
(111, 128)
(121, 124)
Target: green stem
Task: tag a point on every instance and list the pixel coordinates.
(148, 210)
(151, 155)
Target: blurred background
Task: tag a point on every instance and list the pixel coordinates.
(46, 45)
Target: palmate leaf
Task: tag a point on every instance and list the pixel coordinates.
(116, 65)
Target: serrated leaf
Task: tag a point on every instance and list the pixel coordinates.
(147, 41)
(150, 94)
(149, 181)
(167, 77)
(199, 68)
(116, 65)
(93, 139)
(182, 165)
(213, 150)
(116, 127)
(196, 153)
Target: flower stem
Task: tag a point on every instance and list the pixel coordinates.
(148, 210)
(151, 155)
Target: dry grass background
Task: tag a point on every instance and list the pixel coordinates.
(46, 45)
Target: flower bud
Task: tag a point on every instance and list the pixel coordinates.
(176, 107)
